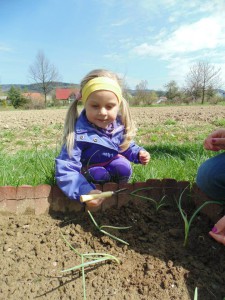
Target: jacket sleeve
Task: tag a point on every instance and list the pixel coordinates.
(68, 174)
(132, 153)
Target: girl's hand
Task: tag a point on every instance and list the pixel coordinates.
(144, 157)
(215, 141)
(95, 202)
(218, 231)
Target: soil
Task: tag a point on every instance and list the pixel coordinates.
(155, 265)
(195, 115)
(27, 129)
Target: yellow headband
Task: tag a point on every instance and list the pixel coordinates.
(101, 83)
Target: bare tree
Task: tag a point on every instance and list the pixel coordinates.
(43, 73)
(141, 93)
(202, 78)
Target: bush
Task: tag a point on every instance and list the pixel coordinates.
(16, 97)
(35, 104)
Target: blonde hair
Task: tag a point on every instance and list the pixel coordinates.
(72, 114)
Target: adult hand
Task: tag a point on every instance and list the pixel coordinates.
(144, 157)
(95, 202)
(215, 141)
(218, 231)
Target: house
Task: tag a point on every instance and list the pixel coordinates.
(161, 99)
(66, 96)
(33, 96)
(4, 100)
(35, 100)
(220, 93)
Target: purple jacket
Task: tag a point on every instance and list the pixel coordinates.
(92, 146)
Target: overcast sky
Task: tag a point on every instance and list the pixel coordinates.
(153, 40)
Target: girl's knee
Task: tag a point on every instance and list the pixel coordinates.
(120, 169)
(97, 175)
(211, 177)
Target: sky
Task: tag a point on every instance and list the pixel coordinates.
(152, 40)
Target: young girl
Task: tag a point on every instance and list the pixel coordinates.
(97, 145)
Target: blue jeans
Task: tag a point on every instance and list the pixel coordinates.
(211, 177)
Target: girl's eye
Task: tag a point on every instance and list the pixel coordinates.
(109, 107)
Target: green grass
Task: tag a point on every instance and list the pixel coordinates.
(219, 122)
(27, 155)
(169, 160)
(30, 167)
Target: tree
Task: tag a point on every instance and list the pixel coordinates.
(16, 97)
(43, 73)
(141, 94)
(202, 79)
(152, 97)
(126, 89)
(172, 90)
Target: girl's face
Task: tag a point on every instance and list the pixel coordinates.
(102, 108)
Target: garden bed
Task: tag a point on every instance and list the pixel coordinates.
(155, 264)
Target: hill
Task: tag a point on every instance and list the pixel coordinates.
(36, 87)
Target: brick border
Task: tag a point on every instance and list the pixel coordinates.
(44, 198)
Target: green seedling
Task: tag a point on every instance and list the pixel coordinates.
(88, 259)
(187, 224)
(196, 294)
(100, 228)
(157, 204)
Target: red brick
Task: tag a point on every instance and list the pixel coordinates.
(7, 192)
(42, 206)
(25, 192)
(184, 190)
(155, 189)
(57, 193)
(128, 186)
(73, 206)
(3, 205)
(2, 194)
(140, 189)
(170, 188)
(59, 200)
(143, 187)
(25, 206)
(213, 211)
(99, 187)
(182, 185)
(62, 203)
(42, 191)
(109, 202)
(110, 186)
(11, 205)
(154, 182)
(124, 197)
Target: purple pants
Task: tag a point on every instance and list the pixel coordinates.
(118, 170)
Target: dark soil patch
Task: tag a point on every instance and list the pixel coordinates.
(155, 264)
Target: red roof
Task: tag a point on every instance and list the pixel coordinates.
(65, 94)
(34, 96)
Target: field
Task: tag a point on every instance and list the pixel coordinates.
(30, 140)
(24, 129)
(154, 266)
